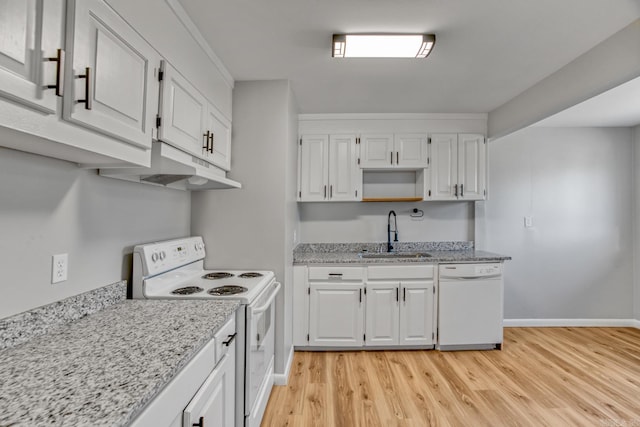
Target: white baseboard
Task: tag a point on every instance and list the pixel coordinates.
(540, 323)
(283, 379)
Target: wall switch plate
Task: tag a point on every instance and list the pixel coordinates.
(528, 221)
(59, 268)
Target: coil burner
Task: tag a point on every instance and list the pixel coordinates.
(217, 275)
(250, 275)
(188, 290)
(227, 290)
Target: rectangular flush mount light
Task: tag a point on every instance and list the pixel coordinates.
(382, 45)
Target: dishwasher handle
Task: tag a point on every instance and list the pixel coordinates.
(460, 278)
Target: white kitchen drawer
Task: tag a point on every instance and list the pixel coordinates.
(399, 272)
(336, 273)
(223, 335)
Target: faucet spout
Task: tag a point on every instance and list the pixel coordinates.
(389, 230)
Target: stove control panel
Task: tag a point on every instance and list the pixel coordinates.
(156, 258)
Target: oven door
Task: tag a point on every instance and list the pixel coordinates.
(260, 349)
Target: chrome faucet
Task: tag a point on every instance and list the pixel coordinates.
(389, 230)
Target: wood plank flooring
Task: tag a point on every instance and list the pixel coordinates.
(542, 377)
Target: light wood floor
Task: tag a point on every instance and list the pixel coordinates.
(542, 377)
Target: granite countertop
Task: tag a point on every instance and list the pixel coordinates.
(104, 368)
(349, 253)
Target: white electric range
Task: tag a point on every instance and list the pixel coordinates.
(174, 269)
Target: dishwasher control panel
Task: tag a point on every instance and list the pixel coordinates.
(470, 270)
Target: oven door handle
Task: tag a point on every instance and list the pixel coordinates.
(266, 305)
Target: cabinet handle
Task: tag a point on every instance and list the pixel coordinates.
(461, 190)
(455, 187)
(205, 147)
(397, 157)
(200, 423)
(391, 157)
(211, 140)
(87, 89)
(397, 294)
(404, 294)
(331, 191)
(59, 60)
(361, 296)
(325, 191)
(230, 339)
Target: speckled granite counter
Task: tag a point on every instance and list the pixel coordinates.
(103, 369)
(349, 253)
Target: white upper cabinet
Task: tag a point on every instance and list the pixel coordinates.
(313, 168)
(376, 151)
(183, 114)
(459, 167)
(220, 128)
(328, 168)
(188, 121)
(31, 52)
(394, 151)
(112, 88)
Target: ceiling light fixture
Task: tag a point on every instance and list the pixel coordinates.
(382, 45)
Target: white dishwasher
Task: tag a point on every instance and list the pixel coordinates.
(470, 306)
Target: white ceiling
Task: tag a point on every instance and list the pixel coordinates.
(486, 52)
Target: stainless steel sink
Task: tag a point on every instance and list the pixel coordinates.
(384, 255)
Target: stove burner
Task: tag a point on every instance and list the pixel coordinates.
(227, 290)
(188, 290)
(217, 275)
(250, 275)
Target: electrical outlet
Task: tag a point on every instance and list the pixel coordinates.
(528, 221)
(59, 268)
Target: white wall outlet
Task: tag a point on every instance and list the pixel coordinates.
(59, 268)
(528, 221)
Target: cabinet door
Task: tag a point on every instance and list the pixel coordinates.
(112, 74)
(345, 177)
(417, 313)
(183, 114)
(376, 151)
(220, 144)
(471, 166)
(411, 150)
(313, 168)
(382, 310)
(30, 32)
(214, 403)
(444, 168)
(336, 315)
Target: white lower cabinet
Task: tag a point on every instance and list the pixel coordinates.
(341, 306)
(400, 305)
(203, 392)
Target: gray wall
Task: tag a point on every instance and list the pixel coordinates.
(50, 206)
(576, 262)
(367, 222)
(252, 227)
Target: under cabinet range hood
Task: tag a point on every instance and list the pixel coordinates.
(173, 168)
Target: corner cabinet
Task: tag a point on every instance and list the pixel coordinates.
(394, 151)
(190, 122)
(328, 169)
(459, 167)
(355, 307)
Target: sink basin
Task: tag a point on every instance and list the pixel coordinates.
(385, 255)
